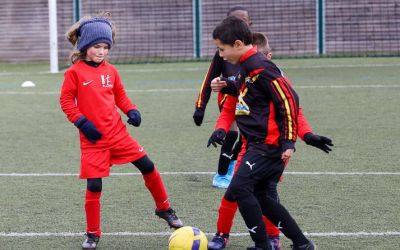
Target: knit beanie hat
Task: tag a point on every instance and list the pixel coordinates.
(93, 31)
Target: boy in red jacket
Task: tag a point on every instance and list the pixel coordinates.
(91, 93)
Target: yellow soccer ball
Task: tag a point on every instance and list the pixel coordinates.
(187, 238)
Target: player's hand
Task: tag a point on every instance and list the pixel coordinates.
(287, 154)
(88, 129)
(198, 116)
(217, 84)
(217, 137)
(318, 141)
(134, 117)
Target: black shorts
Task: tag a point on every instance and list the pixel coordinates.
(259, 166)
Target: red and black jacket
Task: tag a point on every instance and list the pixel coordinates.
(267, 108)
(218, 67)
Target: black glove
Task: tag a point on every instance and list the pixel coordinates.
(88, 129)
(198, 116)
(217, 137)
(134, 117)
(318, 141)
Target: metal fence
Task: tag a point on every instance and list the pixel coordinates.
(175, 30)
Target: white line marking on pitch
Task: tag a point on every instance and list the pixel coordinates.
(196, 173)
(342, 173)
(376, 86)
(342, 66)
(128, 90)
(71, 234)
(195, 69)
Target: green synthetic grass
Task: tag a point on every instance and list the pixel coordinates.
(362, 121)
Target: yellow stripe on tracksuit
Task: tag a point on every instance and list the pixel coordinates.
(199, 98)
(223, 100)
(287, 108)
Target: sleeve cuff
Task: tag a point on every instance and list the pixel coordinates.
(80, 120)
(286, 144)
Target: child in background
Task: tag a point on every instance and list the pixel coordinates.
(91, 92)
(220, 67)
(228, 208)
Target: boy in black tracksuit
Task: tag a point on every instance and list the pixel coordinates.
(266, 114)
(219, 67)
(227, 157)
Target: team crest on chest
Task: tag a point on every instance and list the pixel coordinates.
(106, 82)
(252, 79)
(241, 106)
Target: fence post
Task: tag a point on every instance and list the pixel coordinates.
(197, 28)
(320, 11)
(53, 36)
(76, 5)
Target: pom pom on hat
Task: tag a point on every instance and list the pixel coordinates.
(93, 31)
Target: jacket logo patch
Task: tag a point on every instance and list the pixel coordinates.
(87, 83)
(106, 82)
(241, 106)
(252, 79)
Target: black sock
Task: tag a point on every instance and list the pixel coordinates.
(251, 212)
(280, 217)
(226, 152)
(300, 239)
(236, 149)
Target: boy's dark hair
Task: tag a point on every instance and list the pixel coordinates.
(235, 8)
(232, 29)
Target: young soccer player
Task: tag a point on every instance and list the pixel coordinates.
(219, 67)
(266, 114)
(91, 92)
(228, 208)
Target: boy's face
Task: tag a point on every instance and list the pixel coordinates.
(266, 51)
(230, 53)
(242, 14)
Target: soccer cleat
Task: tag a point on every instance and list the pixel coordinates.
(170, 217)
(91, 241)
(221, 181)
(275, 243)
(309, 246)
(219, 241)
(231, 168)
